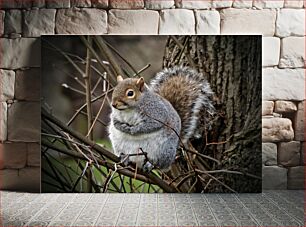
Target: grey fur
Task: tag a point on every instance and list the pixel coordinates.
(145, 126)
(152, 125)
(201, 104)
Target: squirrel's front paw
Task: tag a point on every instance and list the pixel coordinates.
(124, 159)
(121, 126)
(147, 167)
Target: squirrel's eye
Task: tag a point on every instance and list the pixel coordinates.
(130, 93)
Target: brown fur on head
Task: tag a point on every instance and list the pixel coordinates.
(127, 92)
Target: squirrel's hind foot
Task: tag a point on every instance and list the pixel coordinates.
(124, 159)
(147, 167)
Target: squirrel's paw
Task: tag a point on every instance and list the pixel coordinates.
(124, 159)
(147, 167)
(125, 126)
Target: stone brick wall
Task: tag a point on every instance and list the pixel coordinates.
(281, 22)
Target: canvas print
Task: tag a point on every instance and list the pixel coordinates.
(148, 114)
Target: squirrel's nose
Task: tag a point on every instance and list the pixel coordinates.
(114, 105)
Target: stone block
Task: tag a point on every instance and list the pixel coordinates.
(290, 22)
(126, 4)
(248, 21)
(177, 21)
(293, 52)
(24, 122)
(274, 177)
(221, 3)
(296, 177)
(38, 3)
(80, 3)
(33, 158)
(27, 85)
(299, 122)
(271, 51)
(276, 86)
(303, 151)
(269, 154)
(15, 4)
(159, 4)
(261, 4)
(277, 129)
(191, 4)
(2, 14)
(133, 22)
(25, 180)
(39, 22)
(242, 4)
(100, 3)
(207, 22)
(289, 153)
(285, 107)
(267, 107)
(13, 21)
(20, 53)
(7, 82)
(293, 3)
(13, 155)
(3, 121)
(56, 4)
(81, 21)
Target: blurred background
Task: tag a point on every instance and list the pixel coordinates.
(78, 76)
(58, 72)
(64, 92)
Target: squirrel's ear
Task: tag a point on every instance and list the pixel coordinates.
(140, 83)
(119, 78)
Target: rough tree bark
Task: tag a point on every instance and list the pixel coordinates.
(232, 65)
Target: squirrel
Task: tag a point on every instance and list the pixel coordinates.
(149, 122)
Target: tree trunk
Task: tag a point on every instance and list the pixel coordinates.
(232, 65)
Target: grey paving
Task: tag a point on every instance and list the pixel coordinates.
(270, 208)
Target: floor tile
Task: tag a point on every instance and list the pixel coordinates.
(270, 208)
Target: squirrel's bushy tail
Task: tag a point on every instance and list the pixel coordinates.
(190, 95)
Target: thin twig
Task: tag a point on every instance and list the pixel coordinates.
(229, 171)
(99, 120)
(197, 153)
(193, 185)
(77, 112)
(191, 62)
(108, 54)
(106, 69)
(73, 89)
(87, 79)
(70, 75)
(185, 178)
(84, 105)
(112, 182)
(126, 61)
(226, 186)
(183, 50)
(54, 178)
(55, 171)
(145, 177)
(66, 56)
(98, 114)
(96, 85)
(142, 69)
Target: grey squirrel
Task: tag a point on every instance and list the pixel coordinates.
(148, 122)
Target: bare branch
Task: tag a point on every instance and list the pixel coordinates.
(109, 55)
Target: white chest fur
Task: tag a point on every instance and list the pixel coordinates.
(128, 116)
(130, 144)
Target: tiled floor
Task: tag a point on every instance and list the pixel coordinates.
(271, 208)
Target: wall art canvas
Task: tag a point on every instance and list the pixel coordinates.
(151, 114)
